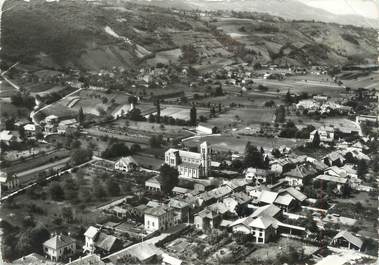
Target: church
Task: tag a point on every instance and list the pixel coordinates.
(190, 164)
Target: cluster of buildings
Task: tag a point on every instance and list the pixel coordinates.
(321, 104)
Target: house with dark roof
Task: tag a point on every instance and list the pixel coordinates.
(159, 218)
(296, 176)
(98, 241)
(59, 247)
(207, 219)
(345, 239)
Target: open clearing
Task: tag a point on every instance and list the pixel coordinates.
(242, 117)
(165, 57)
(238, 143)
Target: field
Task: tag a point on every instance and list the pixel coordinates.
(242, 117)
(10, 110)
(181, 112)
(165, 57)
(238, 143)
(6, 90)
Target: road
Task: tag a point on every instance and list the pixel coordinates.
(47, 178)
(33, 113)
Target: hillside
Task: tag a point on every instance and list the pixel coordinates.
(289, 9)
(101, 35)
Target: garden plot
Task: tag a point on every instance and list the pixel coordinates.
(182, 113)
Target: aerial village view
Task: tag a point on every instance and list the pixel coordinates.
(188, 132)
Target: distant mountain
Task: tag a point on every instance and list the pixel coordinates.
(108, 33)
(288, 9)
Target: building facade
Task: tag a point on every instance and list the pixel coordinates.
(190, 164)
(159, 218)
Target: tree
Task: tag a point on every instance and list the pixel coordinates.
(80, 155)
(362, 168)
(280, 114)
(135, 148)
(316, 140)
(310, 224)
(253, 157)
(158, 111)
(155, 141)
(135, 115)
(98, 189)
(80, 115)
(116, 150)
(193, 115)
(113, 188)
(56, 191)
(169, 178)
(67, 214)
(132, 100)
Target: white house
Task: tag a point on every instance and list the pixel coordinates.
(262, 228)
(326, 134)
(205, 129)
(59, 247)
(153, 184)
(159, 218)
(126, 164)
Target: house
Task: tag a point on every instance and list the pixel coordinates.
(153, 184)
(286, 202)
(170, 260)
(8, 182)
(181, 210)
(91, 259)
(179, 190)
(339, 181)
(159, 218)
(281, 165)
(190, 164)
(51, 119)
(238, 199)
(262, 228)
(257, 174)
(32, 259)
(206, 129)
(326, 134)
(32, 130)
(334, 159)
(207, 219)
(9, 137)
(299, 196)
(138, 253)
(345, 239)
(126, 164)
(99, 241)
(267, 210)
(267, 197)
(65, 125)
(59, 247)
(296, 176)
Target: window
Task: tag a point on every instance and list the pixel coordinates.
(148, 222)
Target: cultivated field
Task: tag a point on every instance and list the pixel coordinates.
(238, 143)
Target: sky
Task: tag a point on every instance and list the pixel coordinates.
(366, 8)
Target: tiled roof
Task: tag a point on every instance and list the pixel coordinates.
(294, 193)
(262, 222)
(105, 241)
(267, 196)
(267, 210)
(350, 237)
(91, 232)
(284, 199)
(58, 241)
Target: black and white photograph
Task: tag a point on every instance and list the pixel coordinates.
(189, 132)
